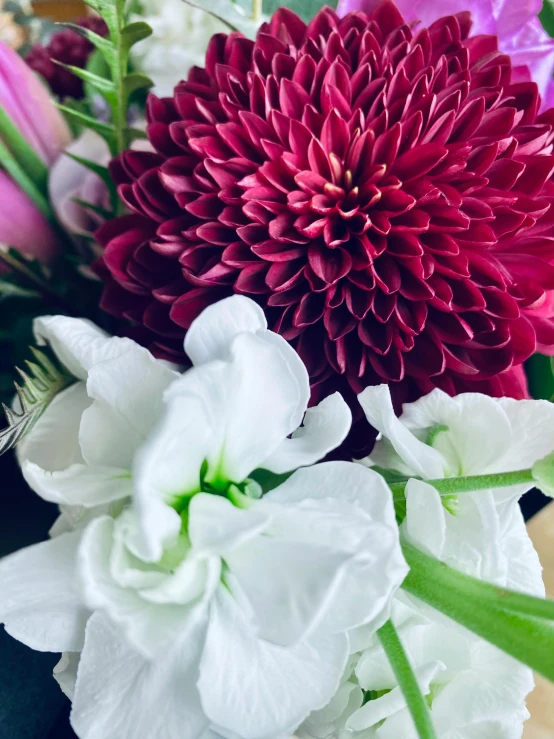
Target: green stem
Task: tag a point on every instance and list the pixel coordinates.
(525, 637)
(407, 681)
(455, 485)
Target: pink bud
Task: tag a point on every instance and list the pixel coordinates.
(29, 105)
(22, 225)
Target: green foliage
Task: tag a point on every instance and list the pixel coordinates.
(546, 16)
(24, 154)
(518, 624)
(112, 78)
(42, 381)
(540, 376)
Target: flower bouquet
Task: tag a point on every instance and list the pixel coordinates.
(279, 311)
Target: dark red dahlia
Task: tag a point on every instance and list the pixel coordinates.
(385, 194)
(70, 48)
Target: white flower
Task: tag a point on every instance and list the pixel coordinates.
(474, 690)
(210, 608)
(470, 434)
(180, 37)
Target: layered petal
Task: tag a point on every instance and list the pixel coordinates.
(119, 693)
(41, 604)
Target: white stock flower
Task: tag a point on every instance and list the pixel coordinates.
(211, 609)
(471, 434)
(180, 37)
(474, 690)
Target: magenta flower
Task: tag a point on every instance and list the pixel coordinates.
(27, 102)
(22, 225)
(515, 23)
(385, 194)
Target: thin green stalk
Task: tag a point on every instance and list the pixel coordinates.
(454, 485)
(407, 681)
(525, 637)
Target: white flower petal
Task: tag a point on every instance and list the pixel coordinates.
(425, 524)
(120, 695)
(253, 402)
(215, 525)
(419, 457)
(387, 705)
(211, 334)
(128, 393)
(53, 442)
(532, 422)
(325, 428)
(150, 627)
(40, 604)
(347, 508)
(478, 430)
(78, 343)
(256, 689)
(65, 673)
(79, 484)
(166, 468)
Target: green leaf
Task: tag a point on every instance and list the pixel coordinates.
(103, 85)
(41, 383)
(135, 32)
(540, 376)
(112, 11)
(25, 182)
(546, 17)
(102, 212)
(135, 81)
(526, 638)
(406, 680)
(106, 130)
(23, 152)
(103, 44)
(11, 290)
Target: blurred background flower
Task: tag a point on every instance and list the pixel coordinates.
(68, 47)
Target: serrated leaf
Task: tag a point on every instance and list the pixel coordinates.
(106, 130)
(103, 85)
(103, 44)
(41, 383)
(135, 32)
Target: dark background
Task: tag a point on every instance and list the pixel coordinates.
(31, 703)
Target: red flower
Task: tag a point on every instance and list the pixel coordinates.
(385, 196)
(70, 48)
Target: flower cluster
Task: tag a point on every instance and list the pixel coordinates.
(185, 600)
(384, 193)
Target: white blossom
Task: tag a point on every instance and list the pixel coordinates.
(195, 605)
